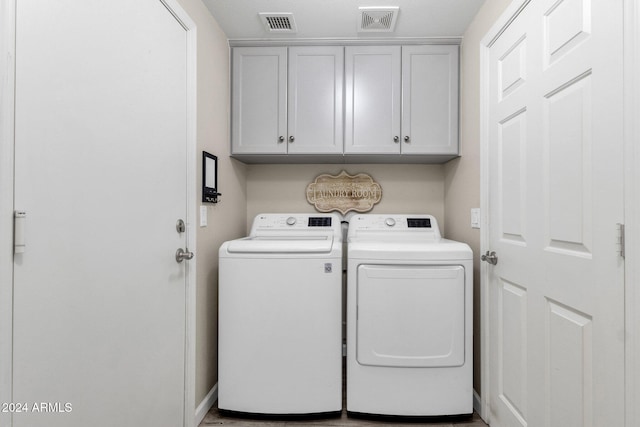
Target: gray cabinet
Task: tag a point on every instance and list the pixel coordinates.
(429, 100)
(372, 99)
(315, 100)
(384, 104)
(402, 101)
(259, 100)
(287, 101)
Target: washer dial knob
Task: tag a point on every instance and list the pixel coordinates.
(291, 221)
(390, 222)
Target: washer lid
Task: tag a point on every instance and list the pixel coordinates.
(282, 244)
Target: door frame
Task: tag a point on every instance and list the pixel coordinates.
(632, 209)
(7, 113)
(631, 204)
(7, 143)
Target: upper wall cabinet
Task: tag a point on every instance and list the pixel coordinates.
(384, 104)
(315, 99)
(429, 100)
(402, 101)
(372, 109)
(287, 101)
(259, 100)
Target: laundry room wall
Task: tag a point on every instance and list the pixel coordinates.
(462, 175)
(226, 220)
(405, 188)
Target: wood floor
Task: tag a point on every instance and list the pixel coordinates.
(213, 418)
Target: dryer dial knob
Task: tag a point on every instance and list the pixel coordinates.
(390, 222)
(291, 221)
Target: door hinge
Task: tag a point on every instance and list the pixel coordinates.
(621, 242)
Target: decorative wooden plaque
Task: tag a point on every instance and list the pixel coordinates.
(344, 193)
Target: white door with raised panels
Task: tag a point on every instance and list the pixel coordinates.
(556, 294)
(99, 317)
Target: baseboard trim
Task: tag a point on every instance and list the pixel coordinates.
(206, 404)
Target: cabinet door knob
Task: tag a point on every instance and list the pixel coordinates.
(407, 139)
(291, 139)
(396, 139)
(280, 139)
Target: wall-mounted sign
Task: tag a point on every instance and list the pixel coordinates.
(344, 193)
(210, 178)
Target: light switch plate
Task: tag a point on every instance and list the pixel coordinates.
(203, 216)
(475, 218)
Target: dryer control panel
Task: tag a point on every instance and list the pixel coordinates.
(424, 226)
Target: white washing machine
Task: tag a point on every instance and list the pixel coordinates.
(280, 317)
(409, 318)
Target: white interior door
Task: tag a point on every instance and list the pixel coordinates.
(100, 169)
(556, 295)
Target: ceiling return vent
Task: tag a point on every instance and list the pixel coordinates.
(278, 22)
(377, 19)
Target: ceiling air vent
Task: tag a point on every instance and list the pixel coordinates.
(377, 19)
(278, 22)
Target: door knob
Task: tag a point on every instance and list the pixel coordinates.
(181, 255)
(407, 139)
(396, 139)
(291, 139)
(280, 139)
(491, 258)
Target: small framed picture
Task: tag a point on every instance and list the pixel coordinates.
(209, 178)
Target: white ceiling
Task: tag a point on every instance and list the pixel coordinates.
(338, 19)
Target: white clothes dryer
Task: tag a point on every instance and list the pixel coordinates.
(409, 318)
(280, 317)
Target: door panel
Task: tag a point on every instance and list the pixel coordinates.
(100, 164)
(512, 348)
(315, 99)
(555, 176)
(372, 99)
(513, 170)
(569, 367)
(567, 126)
(429, 99)
(259, 100)
(410, 316)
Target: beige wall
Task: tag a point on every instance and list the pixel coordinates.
(227, 218)
(462, 175)
(405, 188)
(445, 191)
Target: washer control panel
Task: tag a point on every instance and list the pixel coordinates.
(301, 223)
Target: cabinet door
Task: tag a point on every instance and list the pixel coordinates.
(372, 99)
(315, 99)
(259, 96)
(430, 99)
